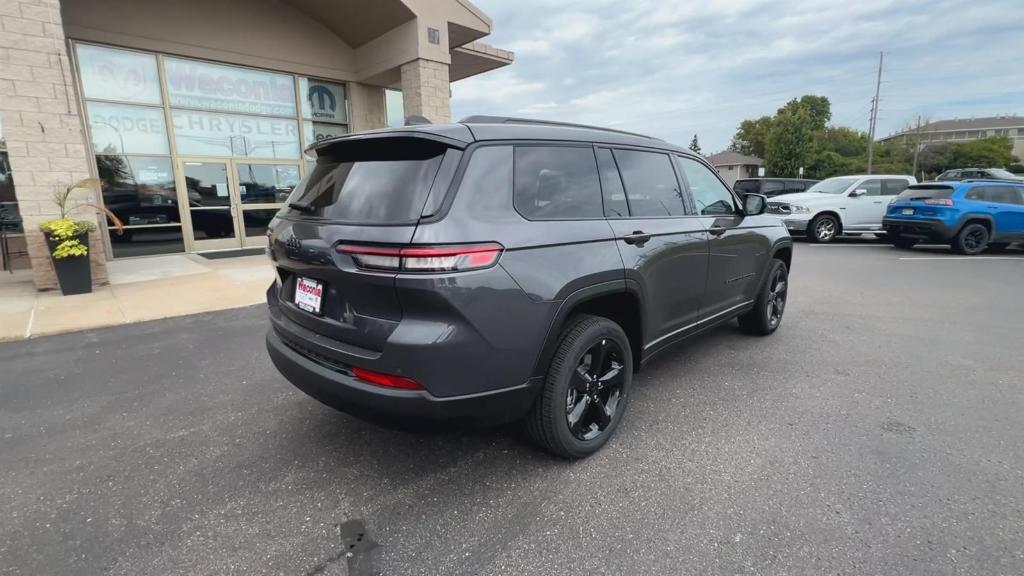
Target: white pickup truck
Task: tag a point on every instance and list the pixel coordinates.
(844, 205)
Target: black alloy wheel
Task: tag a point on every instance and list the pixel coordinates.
(972, 239)
(776, 298)
(595, 390)
(586, 390)
(766, 315)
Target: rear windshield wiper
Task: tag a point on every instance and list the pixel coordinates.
(301, 207)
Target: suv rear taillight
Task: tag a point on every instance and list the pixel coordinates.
(450, 258)
(939, 201)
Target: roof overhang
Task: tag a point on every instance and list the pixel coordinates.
(476, 58)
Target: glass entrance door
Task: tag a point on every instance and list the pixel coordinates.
(231, 202)
(212, 205)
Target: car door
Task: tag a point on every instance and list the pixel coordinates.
(664, 249)
(1006, 206)
(736, 250)
(863, 204)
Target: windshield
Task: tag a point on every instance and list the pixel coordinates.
(926, 192)
(833, 185)
(1000, 173)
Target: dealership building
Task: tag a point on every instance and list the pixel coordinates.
(194, 114)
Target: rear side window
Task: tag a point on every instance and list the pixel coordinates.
(746, 186)
(926, 192)
(893, 186)
(556, 183)
(997, 194)
(772, 187)
(651, 185)
(369, 182)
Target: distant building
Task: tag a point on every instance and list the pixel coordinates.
(734, 166)
(967, 129)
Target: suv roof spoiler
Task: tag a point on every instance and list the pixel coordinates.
(510, 120)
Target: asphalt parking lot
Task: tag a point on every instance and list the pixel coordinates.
(878, 432)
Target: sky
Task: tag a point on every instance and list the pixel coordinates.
(674, 68)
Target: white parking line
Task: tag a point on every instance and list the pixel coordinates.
(963, 258)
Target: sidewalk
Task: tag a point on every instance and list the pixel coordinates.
(140, 289)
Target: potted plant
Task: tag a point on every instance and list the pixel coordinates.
(68, 240)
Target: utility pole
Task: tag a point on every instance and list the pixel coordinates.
(917, 145)
(874, 113)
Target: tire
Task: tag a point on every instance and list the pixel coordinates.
(568, 392)
(823, 229)
(903, 242)
(971, 239)
(766, 315)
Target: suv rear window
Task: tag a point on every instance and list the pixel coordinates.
(556, 183)
(926, 192)
(366, 182)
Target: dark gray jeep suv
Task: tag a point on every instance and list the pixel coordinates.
(501, 269)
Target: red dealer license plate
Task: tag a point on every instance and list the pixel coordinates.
(308, 294)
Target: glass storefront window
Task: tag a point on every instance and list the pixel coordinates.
(266, 183)
(323, 101)
(314, 132)
(10, 218)
(147, 241)
(221, 88)
(122, 75)
(139, 189)
(209, 134)
(122, 128)
(394, 106)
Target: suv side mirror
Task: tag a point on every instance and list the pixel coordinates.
(754, 204)
(858, 192)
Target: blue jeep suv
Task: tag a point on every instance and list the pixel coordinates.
(970, 216)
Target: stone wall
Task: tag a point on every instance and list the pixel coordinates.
(426, 90)
(41, 123)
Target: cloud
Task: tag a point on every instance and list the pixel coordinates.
(675, 68)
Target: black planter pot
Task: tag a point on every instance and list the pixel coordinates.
(73, 274)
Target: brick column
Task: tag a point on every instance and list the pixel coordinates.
(42, 126)
(426, 90)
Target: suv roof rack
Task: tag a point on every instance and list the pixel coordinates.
(510, 120)
(1004, 181)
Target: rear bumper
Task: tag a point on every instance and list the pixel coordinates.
(932, 230)
(335, 386)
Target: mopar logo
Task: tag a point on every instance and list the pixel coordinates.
(322, 99)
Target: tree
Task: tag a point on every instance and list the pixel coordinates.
(789, 142)
(994, 152)
(694, 145)
(751, 137)
(818, 108)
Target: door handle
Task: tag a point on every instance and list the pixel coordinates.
(717, 230)
(878, 201)
(638, 237)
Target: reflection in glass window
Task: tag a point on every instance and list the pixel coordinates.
(256, 221)
(147, 241)
(208, 134)
(120, 129)
(266, 183)
(139, 189)
(709, 194)
(122, 75)
(10, 218)
(323, 101)
(316, 131)
(394, 105)
(651, 186)
(206, 86)
(556, 183)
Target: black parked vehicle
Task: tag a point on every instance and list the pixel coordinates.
(978, 174)
(500, 269)
(772, 186)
